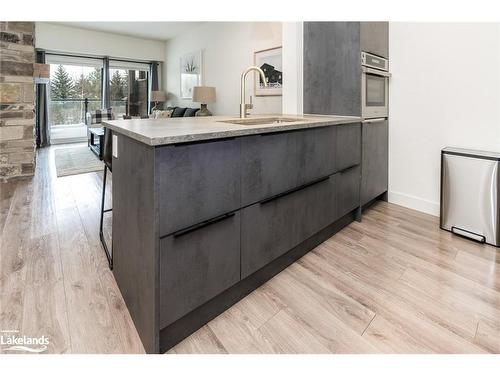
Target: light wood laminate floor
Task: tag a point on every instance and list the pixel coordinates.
(394, 283)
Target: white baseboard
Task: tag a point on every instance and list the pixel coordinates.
(415, 203)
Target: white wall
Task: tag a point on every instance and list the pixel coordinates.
(61, 38)
(228, 49)
(293, 59)
(444, 91)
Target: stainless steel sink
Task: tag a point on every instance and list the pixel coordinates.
(261, 121)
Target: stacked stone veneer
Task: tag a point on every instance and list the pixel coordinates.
(17, 97)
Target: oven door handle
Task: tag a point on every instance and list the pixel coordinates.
(373, 120)
(376, 72)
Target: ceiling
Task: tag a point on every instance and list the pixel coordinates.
(148, 30)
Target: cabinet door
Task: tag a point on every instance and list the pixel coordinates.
(197, 182)
(197, 265)
(375, 38)
(348, 146)
(332, 68)
(274, 163)
(374, 170)
(270, 229)
(348, 185)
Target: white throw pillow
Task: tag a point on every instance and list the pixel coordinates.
(157, 113)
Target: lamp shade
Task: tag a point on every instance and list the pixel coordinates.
(41, 73)
(203, 94)
(158, 96)
(41, 70)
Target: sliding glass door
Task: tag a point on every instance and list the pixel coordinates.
(77, 87)
(129, 88)
(73, 83)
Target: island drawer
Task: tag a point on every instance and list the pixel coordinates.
(273, 163)
(197, 182)
(273, 227)
(348, 146)
(197, 264)
(348, 190)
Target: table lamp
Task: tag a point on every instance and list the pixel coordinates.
(203, 95)
(158, 97)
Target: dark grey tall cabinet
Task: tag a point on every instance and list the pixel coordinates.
(332, 86)
(374, 38)
(332, 70)
(375, 159)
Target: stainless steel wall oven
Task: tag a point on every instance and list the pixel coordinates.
(374, 86)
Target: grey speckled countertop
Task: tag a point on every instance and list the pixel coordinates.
(157, 132)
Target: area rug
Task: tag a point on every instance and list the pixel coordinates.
(76, 160)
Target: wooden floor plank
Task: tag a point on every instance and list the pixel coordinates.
(389, 242)
(342, 248)
(488, 336)
(366, 290)
(390, 338)
(87, 188)
(456, 321)
(14, 259)
(44, 306)
(260, 306)
(300, 280)
(91, 328)
(325, 320)
(463, 296)
(43, 216)
(292, 334)
(238, 334)
(202, 341)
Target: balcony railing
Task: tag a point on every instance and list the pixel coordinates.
(71, 112)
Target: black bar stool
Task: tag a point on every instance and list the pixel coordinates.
(107, 158)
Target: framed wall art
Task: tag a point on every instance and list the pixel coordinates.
(270, 61)
(190, 73)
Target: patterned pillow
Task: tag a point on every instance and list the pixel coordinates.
(98, 116)
(157, 113)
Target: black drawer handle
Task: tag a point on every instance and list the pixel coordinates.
(348, 168)
(203, 224)
(274, 197)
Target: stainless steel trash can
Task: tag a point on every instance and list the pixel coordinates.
(469, 194)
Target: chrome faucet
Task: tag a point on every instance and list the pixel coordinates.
(245, 107)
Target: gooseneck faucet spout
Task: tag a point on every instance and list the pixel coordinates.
(244, 107)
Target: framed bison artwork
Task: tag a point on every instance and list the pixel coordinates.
(270, 61)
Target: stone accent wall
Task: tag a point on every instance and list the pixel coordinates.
(17, 98)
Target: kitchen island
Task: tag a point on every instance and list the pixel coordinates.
(205, 210)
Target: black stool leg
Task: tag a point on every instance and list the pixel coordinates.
(101, 235)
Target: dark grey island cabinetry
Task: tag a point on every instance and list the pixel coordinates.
(202, 218)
